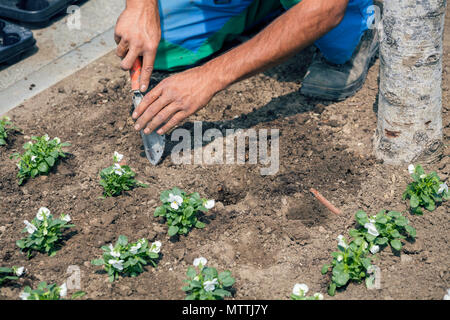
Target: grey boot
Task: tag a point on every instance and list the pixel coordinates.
(328, 81)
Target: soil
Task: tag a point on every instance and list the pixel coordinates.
(268, 230)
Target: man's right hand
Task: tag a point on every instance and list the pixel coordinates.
(137, 33)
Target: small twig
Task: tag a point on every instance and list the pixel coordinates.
(325, 202)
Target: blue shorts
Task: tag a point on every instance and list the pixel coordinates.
(192, 30)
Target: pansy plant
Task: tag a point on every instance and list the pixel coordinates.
(45, 233)
(426, 191)
(118, 178)
(181, 210)
(40, 156)
(300, 290)
(126, 258)
(205, 283)
(350, 263)
(10, 273)
(5, 126)
(383, 229)
(45, 291)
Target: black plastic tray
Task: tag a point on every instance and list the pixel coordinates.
(14, 40)
(32, 11)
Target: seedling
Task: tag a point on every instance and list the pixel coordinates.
(205, 283)
(300, 290)
(5, 127)
(40, 156)
(350, 262)
(46, 291)
(118, 178)
(181, 210)
(383, 229)
(426, 191)
(128, 258)
(10, 273)
(44, 232)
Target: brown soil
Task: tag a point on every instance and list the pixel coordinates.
(268, 230)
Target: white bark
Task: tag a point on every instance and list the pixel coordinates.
(410, 98)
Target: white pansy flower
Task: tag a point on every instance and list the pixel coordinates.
(200, 261)
(63, 290)
(447, 296)
(156, 247)
(341, 241)
(175, 201)
(318, 296)
(117, 156)
(66, 218)
(33, 158)
(339, 258)
(371, 269)
(42, 212)
(210, 285)
(300, 289)
(210, 204)
(46, 137)
(58, 140)
(365, 245)
(411, 169)
(135, 248)
(196, 278)
(118, 169)
(24, 295)
(371, 229)
(30, 227)
(113, 252)
(443, 187)
(374, 249)
(116, 263)
(423, 176)
(19, 271)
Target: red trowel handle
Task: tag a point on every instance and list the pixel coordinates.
(135, 74)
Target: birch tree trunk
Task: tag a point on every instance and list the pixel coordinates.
(410, 97)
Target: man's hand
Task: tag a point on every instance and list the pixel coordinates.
(137, 33)
(174, 99)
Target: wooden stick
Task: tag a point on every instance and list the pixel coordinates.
(325, 202)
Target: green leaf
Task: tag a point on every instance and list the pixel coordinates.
(191, 273)
(173, 230)
(50, 161)
(332, 289)
(98, 262)
(43, 167)
(396, 244)
(414, 201)
(199, 225)
(2, 142)
(411, 231)
(325, 268)
(160, 212)
(78, 294)
(228, 281)
(123, 240)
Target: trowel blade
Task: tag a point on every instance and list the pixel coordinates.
(153, 143)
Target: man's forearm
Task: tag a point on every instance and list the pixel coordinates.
(293, 31)
(141, 3)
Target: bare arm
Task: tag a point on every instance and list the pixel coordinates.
(181, 95)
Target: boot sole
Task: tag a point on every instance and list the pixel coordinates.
(340, 94)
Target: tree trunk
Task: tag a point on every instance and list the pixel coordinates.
(410, 97)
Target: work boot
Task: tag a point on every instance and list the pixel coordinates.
(328, 81)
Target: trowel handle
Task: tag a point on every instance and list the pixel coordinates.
(135, 74)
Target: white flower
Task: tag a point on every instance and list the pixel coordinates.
(46, 137)
(33, 158)
(24, 295)
(117, 156)
(58, 140)
(411, 169)
(341, 241)
(118, 169)
(116, 263)
(200, 261)
(113, 252)
(339, 258)
(447, 296)
(156, 247)
(175, 201)
(423, 176)
(210, 285)
(18, 165)
(365, 245)
(318, 296)
(300, 289)
(443, 187)
(371, 269)
(19, 271)
(210, 204)
(371, 229)
(374, 249)
(42, 212)
(66, 218)
(135, 248)
(30, 227)
(63, 290)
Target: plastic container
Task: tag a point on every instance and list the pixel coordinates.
(14, 40)
(32, 11)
